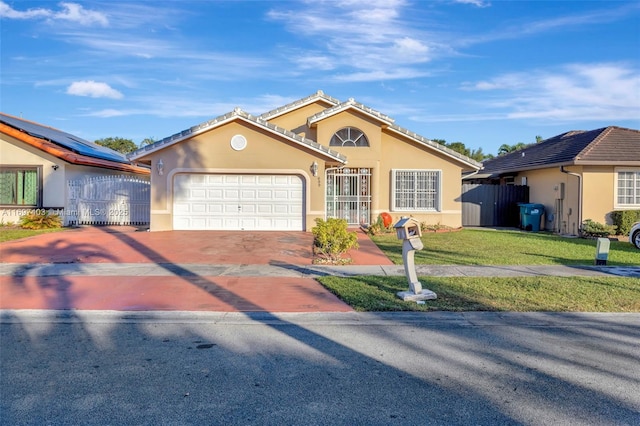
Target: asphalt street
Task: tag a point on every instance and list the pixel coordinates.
(186, 368)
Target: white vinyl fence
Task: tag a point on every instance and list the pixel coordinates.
(108, 200)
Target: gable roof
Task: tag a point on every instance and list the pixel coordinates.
(344, 106)
(238, 114)
(319, 95)
(606, 146)
(389, 124)
(335, 108)
(63, 139)
(66, 146)
(436, 146)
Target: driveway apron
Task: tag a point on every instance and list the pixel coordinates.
(181, 289)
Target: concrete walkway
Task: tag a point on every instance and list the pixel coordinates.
(277, 269)
(275, 287)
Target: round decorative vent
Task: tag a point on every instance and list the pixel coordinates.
(238, 142)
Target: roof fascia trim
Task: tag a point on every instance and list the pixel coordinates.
(67, 155)
(438, 147)
(319, 95)
(533, 167)
(237, 114)
(350, 104)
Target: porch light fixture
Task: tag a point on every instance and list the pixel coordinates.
(160, 167)
(314, 169)
(55, 167)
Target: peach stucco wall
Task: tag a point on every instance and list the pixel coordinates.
(211, 152)
(270, 153)
(598, 195)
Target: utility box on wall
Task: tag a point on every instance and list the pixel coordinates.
(559, 188)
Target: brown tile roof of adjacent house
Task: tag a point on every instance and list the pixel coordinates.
(62, 152)
(606, 146)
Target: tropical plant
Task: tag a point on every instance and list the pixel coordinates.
(40, 220)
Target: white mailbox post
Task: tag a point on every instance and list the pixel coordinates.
(408, 230)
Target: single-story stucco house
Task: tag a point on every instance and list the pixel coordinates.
(577, 175)
(37, 161)
(316, 157)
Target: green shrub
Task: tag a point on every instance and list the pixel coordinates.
(595, 229)
(332, 239)
(624, 219)
(40, 220)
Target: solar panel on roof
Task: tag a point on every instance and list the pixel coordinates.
(66, 140)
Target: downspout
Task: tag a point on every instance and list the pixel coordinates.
(579, 195)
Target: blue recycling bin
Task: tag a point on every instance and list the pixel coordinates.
(531, 216)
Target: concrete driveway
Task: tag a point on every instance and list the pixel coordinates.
(66, 287)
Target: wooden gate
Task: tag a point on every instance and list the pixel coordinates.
(108, 200)
(492, 205)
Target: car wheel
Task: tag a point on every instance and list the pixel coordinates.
(636, 239)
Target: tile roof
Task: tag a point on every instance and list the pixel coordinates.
(234, 115)
(337, 106)
(435, 145)
(350, 104)
(608, 146)
(319, 95)
(65, 146)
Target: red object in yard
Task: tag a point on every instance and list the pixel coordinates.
(386, 219)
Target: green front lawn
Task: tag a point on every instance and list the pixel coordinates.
(489, 247)
(9, 233)
(517, 294)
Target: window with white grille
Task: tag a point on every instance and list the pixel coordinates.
(628, 188)
(416, 190)
(349, 136)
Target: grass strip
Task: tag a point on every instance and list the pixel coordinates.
(10, 233)
(518, 294)
(489, 247)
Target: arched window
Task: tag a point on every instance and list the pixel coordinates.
(349, 136)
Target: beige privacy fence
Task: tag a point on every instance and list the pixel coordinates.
(108, 200)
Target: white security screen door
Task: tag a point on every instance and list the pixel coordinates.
(349, 195)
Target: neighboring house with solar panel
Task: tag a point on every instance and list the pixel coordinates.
(37, 163)
(577, 175)
(316, 157)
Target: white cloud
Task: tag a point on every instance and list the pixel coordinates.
(362, 40)
(479, 3)
(7, 11)
(93, 89)
(71, 12)
(108, 113)
(74, 12)
(381, 75)
(561, 23)
(601, 91)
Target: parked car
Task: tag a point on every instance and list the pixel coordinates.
(634, 235)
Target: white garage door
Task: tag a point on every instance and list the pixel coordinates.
(237, 202)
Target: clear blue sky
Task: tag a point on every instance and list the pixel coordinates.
(484, 73)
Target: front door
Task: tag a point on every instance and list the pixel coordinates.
(349, 195)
